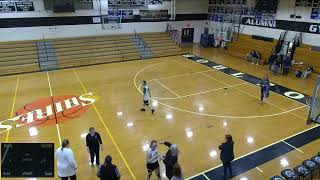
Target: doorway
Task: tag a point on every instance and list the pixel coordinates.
(187, 35)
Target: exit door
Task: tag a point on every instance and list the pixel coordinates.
(187, 35)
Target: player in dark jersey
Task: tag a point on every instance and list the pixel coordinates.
(146, 95)
(265, 87)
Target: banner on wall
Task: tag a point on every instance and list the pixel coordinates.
(24, 6)
(154, 14)
(315, 13)
(7, 6)
(124, 14)
(284, 25)
(260, 22)
(16, 6)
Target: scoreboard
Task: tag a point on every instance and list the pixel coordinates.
(22, 160)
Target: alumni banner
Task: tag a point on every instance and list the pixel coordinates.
(281, 24)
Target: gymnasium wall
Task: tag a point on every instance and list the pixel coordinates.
(283, 21)
(285, 9)
(190, 13)
(191, 6)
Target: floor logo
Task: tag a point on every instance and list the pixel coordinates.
(49, 111)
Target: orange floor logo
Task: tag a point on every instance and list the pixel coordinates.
(49, 111)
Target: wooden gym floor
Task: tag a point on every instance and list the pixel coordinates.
(203, 110)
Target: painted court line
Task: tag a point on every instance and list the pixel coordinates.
(167, 88)
(205, 176)
(49, 84)
(257, 97)
(138, 87)
(199, 174)
(188, 57)
(13, 105)
(259, 169)
(293, 147)
(181, 75)
(203, 92)
(51, 94)
(106, 128)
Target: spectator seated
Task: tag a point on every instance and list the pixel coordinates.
(240, 47)
(305, 73)
(305, 56)
(254, 57)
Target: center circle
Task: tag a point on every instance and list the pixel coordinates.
(200, 113)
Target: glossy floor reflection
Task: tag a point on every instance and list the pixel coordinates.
(195, 107)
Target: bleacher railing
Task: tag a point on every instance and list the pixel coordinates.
(174, 34)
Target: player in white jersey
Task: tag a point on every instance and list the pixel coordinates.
(146, 95)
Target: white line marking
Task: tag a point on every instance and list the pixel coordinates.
(255, 96)
(204, 114)
(255, 151)
(259, 169)
(293, 147)
(203, 92)
(167, 88)
(49, 84)
(249, 83)
(205, 176)
(57, 126)
(181, 75)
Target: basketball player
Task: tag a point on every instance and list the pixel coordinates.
(265, 87)
(152, 160)
(146, 95)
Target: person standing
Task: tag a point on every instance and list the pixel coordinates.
(177, 174)
(146, 95)
(171, 158)
(264, 87)
(94, 145)
(152, 160)
(286, 65)
(227, 155)
(108, 171)
(66, 164)
(272, 59)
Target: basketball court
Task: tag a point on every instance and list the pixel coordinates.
(196, 105)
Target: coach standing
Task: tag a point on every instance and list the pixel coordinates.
(94, 144)
(227, 155)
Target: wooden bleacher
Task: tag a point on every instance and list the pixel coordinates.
(18, 57)
(71, 52)
(22, 56)
(245, 44)
(161, 44)
(308, 57)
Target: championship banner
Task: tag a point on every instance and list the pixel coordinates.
(315, 13)
(24, 6)
(123, 14)
(7, 6)
(154, 14)
(16, 6)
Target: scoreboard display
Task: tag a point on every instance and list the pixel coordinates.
(22, 160)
